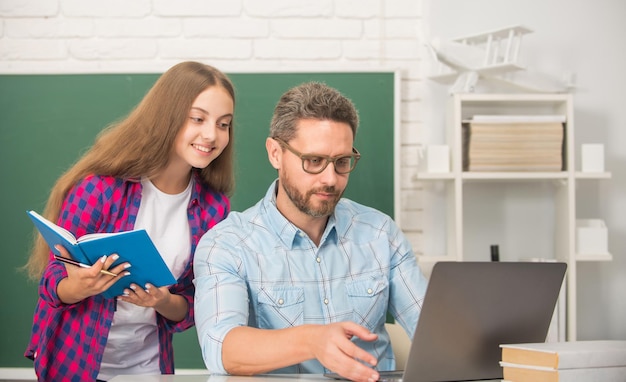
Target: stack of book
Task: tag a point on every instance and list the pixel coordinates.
(575, 361)
(513, 143)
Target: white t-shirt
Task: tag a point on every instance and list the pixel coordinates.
(133, 345)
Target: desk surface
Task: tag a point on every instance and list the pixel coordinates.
(224, 378)
(219, 378)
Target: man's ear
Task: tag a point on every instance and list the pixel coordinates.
(274, 152)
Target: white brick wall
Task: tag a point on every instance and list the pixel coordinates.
(94, 36)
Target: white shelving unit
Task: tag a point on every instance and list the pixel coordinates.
(462, 107)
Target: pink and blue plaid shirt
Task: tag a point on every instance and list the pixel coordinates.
(67, 341)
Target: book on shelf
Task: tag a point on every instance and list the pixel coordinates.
(478, 145)
(523, 373)
(552, 130)
(566, 355)
(134, 247)
(516, 156)
(518, 118)
(499, 144)
(513, 168)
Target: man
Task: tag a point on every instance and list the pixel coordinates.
(302, 281)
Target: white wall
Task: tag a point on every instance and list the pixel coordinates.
(583, 37)
(88, 36)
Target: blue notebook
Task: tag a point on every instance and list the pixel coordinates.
(135, 247)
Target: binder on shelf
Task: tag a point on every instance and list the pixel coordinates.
(592, 157)
(591, 237)
(438, 158)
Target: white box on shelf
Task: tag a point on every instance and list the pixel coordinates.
(592, 157)
(591, 236)
(438, 158)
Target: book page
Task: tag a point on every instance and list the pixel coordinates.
(98, 235)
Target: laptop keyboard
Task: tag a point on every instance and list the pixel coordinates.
(390, 376)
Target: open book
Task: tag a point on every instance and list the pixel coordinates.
(135, 247)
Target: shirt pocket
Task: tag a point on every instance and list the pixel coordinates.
(369, 298)
(280, 307)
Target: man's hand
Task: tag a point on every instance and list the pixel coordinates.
(249, 351)
(331, 345)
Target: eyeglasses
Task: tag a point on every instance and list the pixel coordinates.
(315, 163)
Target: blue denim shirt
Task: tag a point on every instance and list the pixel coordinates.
(256, 268)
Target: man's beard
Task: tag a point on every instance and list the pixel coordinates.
(303, 202)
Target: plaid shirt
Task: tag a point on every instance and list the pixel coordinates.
(67, 341)
(257, 269)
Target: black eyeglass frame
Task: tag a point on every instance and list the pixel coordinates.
(328, 159)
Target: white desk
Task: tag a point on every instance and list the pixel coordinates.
(225, 378)
(220, 378)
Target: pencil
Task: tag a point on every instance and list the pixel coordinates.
(78, 264)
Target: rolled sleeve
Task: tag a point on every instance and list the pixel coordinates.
(53, 274)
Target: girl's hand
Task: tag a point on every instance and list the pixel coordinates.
(171, 306)
(148, 297)
(81, 283)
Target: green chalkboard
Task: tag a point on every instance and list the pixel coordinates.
(47, 121)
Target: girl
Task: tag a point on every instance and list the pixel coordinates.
(166, 168)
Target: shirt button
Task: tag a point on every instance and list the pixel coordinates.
(326, 301)
(281, 301)
(318, 260)
(370, 291)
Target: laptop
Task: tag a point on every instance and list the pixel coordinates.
(470, 308)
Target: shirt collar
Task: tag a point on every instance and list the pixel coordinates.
(283, 228)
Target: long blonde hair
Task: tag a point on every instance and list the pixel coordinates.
(140, 145)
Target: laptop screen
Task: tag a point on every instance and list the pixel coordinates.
(471, 308)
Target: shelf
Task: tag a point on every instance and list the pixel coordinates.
(594, 257)
(466, 175)
(433, 176)
(513, 99)
(459, 204)
(593, 175)
(510, 175)
(513, 175)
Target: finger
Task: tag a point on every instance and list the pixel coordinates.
(157, 292)
(110, 280)
(139, 291)
(110, 260)
(356, 371)
(353, 329)
(127, 293)
(360, 373)
(98, 265)
(130, 294)
(120, 269)
(356, 353)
